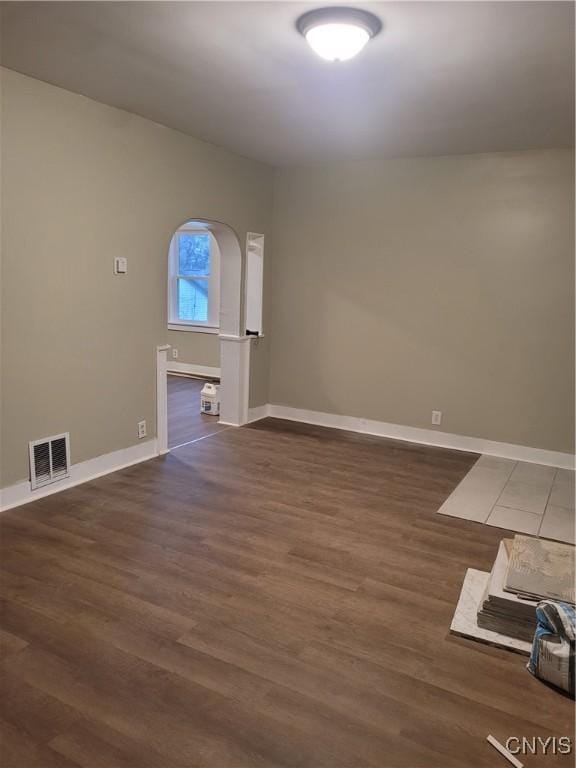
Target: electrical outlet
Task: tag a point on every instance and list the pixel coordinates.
(174, 352)
(436, 417)
(141, 429)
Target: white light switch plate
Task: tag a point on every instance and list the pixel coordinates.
(120, 265)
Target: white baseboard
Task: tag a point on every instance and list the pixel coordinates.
(18, 494)
(260, 412)
(193, 369)
(416, 435)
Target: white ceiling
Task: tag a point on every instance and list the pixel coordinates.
(442, 77)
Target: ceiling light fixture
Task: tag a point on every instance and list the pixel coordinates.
(338, 33)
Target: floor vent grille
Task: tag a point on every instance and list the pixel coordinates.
(49, 460)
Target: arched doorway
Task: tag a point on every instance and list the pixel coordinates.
(234, 345)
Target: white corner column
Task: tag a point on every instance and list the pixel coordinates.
(235, 377)
(162, 398)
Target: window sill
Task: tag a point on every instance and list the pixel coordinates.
(192, 328)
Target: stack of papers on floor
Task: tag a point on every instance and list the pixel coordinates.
(502, 611)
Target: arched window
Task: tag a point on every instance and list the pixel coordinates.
(194, 280)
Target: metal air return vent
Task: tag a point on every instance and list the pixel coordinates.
(49, 460)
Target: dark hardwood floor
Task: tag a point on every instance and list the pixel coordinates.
(275, 595)
(185, 422)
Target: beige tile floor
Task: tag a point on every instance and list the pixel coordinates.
(518, 496)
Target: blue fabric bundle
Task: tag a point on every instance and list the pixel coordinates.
(554, 647)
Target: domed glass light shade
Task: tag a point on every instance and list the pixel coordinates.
(339, 33)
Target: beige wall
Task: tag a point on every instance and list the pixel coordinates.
(199, 348)
(437, 283)
(82, 183)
